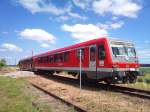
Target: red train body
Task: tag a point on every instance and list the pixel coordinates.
(103, 59)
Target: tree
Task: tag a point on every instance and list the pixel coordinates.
(2, 63)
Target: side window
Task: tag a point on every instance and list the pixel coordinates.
(46, 59)
(39, 61)
(60, 58)
(101, 52)
(50, 59)
(92, 54)
(55, 58)
(66, 56)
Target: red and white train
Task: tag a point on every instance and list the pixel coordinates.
(103, 59)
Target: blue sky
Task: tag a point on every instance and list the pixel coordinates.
(42, 25)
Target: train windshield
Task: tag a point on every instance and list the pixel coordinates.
(123, 51)
(119, 51)
(131, 51)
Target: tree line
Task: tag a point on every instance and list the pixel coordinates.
(2, 63)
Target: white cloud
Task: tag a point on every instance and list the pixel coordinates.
(37, 35)
(110, 25)
(82, 3)
(126, 8)
(69, 16)
(11, 47)
(77, 16)
(63, 18)
(116, 25)
(84, 32)
(45, 45)
(35, 6)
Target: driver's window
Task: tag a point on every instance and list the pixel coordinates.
(92, 54)
(101, 52)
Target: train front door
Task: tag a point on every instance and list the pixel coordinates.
(92, 60)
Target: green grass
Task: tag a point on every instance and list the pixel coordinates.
(143, 82)
(145, 78)
(13, 97)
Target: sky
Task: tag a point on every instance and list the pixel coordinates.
(44, 25)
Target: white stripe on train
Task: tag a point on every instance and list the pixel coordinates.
(86, 69)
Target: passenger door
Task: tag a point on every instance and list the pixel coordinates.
(92, 58)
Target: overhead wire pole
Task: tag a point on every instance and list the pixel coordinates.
(80, 67)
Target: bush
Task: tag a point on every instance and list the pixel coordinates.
(140, 80)
(2, 63)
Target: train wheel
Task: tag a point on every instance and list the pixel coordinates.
(132, 79)
(125, 80)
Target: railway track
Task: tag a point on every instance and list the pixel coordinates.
(114, 88)
(132, 91)
(77, 108)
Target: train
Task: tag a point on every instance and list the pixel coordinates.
(104, 59)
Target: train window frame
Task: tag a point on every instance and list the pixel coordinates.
(102, 52)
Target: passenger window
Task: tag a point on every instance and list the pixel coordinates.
(60, 58)
(55, 58)
(39, 61)
(92, 54)
(66, 56)
(101, 52)
(50, 59)
(44, 59)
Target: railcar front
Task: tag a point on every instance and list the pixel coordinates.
(125, 65)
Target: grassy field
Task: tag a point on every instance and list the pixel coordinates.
(146, 77)
(4, 70)
(13, 97)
